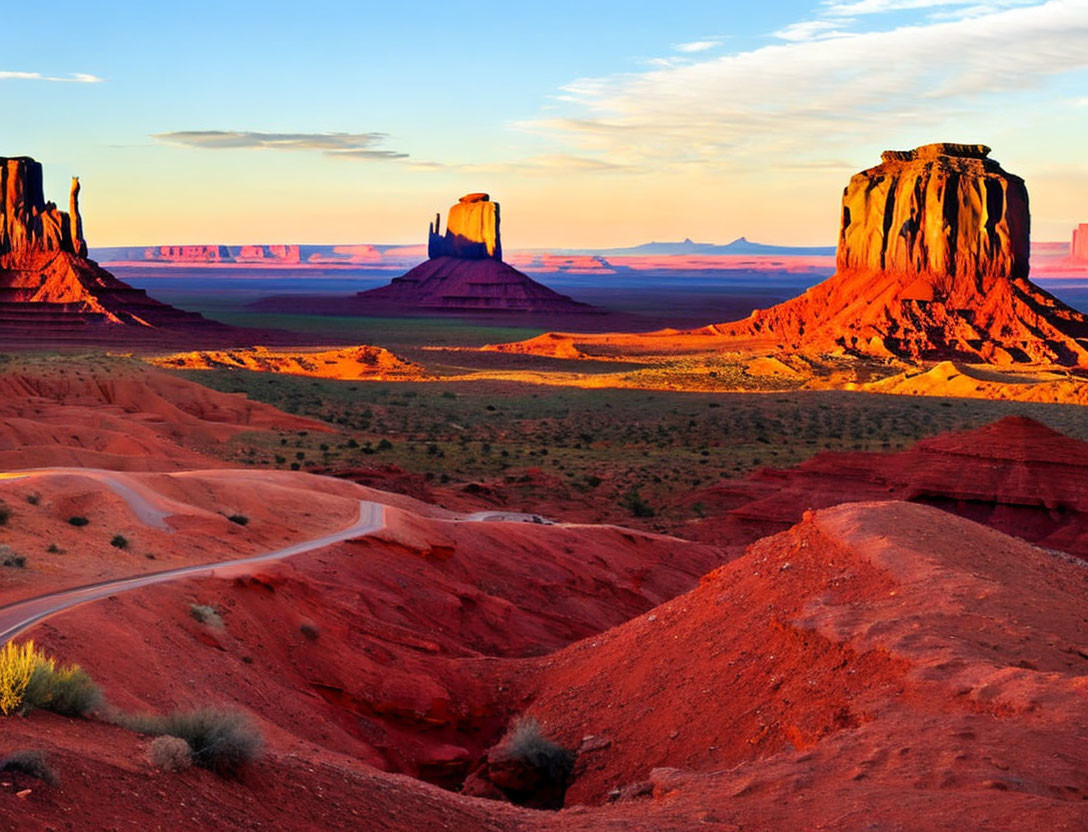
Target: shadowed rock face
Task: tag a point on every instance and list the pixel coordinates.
(472, 231)
(944, 212)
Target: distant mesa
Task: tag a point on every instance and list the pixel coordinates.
(465, 272)
(1078, 251)
(216, 254)
(48, 286)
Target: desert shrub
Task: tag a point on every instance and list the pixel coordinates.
(17, 665)
(5, 514)
(54, 549)
(206, 614)
(33, 499)
(67, 690)
(170, 753)
(78, 522)
(221, 740)
(240, 519)
(30, 763)
(309, 630)
(636, 505)
(29, 679)
(527, 743)
(119, 541)
(11, 560)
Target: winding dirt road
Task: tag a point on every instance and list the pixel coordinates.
(153, 509)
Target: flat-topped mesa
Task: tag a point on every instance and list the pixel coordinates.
(943, 214)
(472, 231)
(27, 221)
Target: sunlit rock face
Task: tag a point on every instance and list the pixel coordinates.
(944, 212)
(932, 265)
(472, 231)
(27, 221)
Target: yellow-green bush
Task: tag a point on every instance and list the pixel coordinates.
(30, 679)
(18, 664)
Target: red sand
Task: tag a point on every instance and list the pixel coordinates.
(879, 665)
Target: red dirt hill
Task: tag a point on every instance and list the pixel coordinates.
(1014, 475)
(880, 665)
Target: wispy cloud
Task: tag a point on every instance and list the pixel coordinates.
(73, 78)
(806, 97)
(812, 29)
(697, 45)
(339, 145)
(861, 7)
(542, 165)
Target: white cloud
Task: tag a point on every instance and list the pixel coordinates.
(339, 145)
(542, 165)
(811, 29)
(73, 78)
(808, 96)
(698, 45)
(860, 7)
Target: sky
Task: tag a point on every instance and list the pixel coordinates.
(594, 124)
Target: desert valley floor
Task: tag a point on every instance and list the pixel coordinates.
(769, 548)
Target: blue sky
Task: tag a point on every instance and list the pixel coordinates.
(601, 123)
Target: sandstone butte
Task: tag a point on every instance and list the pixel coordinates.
(49, 289)
(932, 264)
(465, 271)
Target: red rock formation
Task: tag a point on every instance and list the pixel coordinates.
(472, 231)
(1079, 249)
(48, 287)
(932, 263)
(466, 272)
(29, 223)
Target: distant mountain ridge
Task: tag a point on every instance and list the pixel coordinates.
(351, 252)
(741, 245)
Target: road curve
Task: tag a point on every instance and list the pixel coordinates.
(150, 508)
(18, 616)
